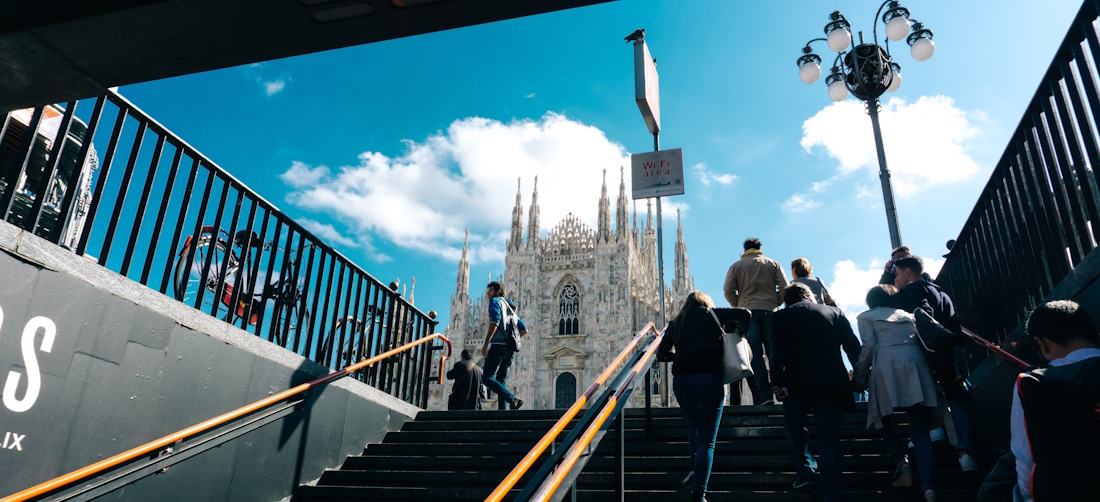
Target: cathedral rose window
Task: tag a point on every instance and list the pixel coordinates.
(569, 307)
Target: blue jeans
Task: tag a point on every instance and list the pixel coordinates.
(700, 396)
(920, 418)
(496, 373)
(960, 416)
(828, 408)
(760, 341)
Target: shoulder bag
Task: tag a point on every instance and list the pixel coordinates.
(736, 354)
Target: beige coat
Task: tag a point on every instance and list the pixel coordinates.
(892, 365)
(755, 282)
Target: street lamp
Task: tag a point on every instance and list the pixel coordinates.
(867, 71)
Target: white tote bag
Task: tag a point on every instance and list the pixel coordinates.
(736, 355)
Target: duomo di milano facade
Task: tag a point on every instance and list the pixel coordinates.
(583, 293)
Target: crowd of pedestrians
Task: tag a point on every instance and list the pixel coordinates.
(907, 359)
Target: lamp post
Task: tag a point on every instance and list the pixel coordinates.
(867, 70)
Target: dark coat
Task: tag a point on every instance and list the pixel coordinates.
(927, 296)
(466, 392)
(697, 346)
(805, 346)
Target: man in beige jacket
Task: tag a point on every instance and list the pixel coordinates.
(756, 282)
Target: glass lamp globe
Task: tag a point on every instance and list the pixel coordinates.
(923, 48)
(839, 39)
(809, 72)
(895, 81)
(897, 28)
(837, 91)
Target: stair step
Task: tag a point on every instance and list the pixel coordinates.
(463, 455)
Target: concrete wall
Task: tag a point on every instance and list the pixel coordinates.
(93, 364)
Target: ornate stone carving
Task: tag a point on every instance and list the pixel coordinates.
(605, 280)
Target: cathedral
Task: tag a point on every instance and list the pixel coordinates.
(583, 293)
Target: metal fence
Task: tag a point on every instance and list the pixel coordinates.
(1035, 220)
(166, 216)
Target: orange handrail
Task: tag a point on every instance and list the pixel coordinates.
(126, 456)
(581, 446)
(529, 460)
(996, 349)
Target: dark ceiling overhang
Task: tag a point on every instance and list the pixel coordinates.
(59, 50)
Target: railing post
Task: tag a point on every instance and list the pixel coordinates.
(649, 403)
(620, 447)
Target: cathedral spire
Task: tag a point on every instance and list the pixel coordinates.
(603, 229)
(412, 292)
(533, 218)
(682, 283)
(463, 283)
(515, 243)
(622, 217)
(634, 227)
(649, 214)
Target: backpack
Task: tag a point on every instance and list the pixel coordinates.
(509, 322)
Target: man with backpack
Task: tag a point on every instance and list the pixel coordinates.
(1056, 409)
(949, 362)
(501, 344)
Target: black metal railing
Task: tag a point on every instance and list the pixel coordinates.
(170, 218)
(1034, 222)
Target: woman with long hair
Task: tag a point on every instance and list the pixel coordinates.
(892, 366)
(802, 271)
(693, 342)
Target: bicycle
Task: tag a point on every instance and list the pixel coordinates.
(287, 299)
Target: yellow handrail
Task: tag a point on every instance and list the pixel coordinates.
(581, 446)
(522, 467)
(126, 456)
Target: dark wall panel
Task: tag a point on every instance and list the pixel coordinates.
(119, 374)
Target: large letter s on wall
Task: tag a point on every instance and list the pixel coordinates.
(34, 375)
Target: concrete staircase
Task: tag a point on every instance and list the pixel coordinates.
(463, 455)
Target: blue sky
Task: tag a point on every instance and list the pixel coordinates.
(391, 150)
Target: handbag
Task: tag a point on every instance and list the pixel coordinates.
(933, 336)
(938, 344)
(736, 354)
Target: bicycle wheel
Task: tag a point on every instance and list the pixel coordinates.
(352, 331)
(290, 314)
(188, 278)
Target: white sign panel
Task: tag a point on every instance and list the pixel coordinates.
(646, 91)
(657, 174)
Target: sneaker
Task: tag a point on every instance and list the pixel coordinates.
(804, 484)
(929, 496)
(770, 400)
(517, 403)
(903, 476)
(688, 479)
(967, 463)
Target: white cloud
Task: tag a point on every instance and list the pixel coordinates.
(272, 87)
(821, 186)
(331, 236)
(851, 283)
(465, 177)
(706, 176)
(327, 233)
(933, 265)
(529, 96)
(925, 141)
(301, 175)
(798, 203)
